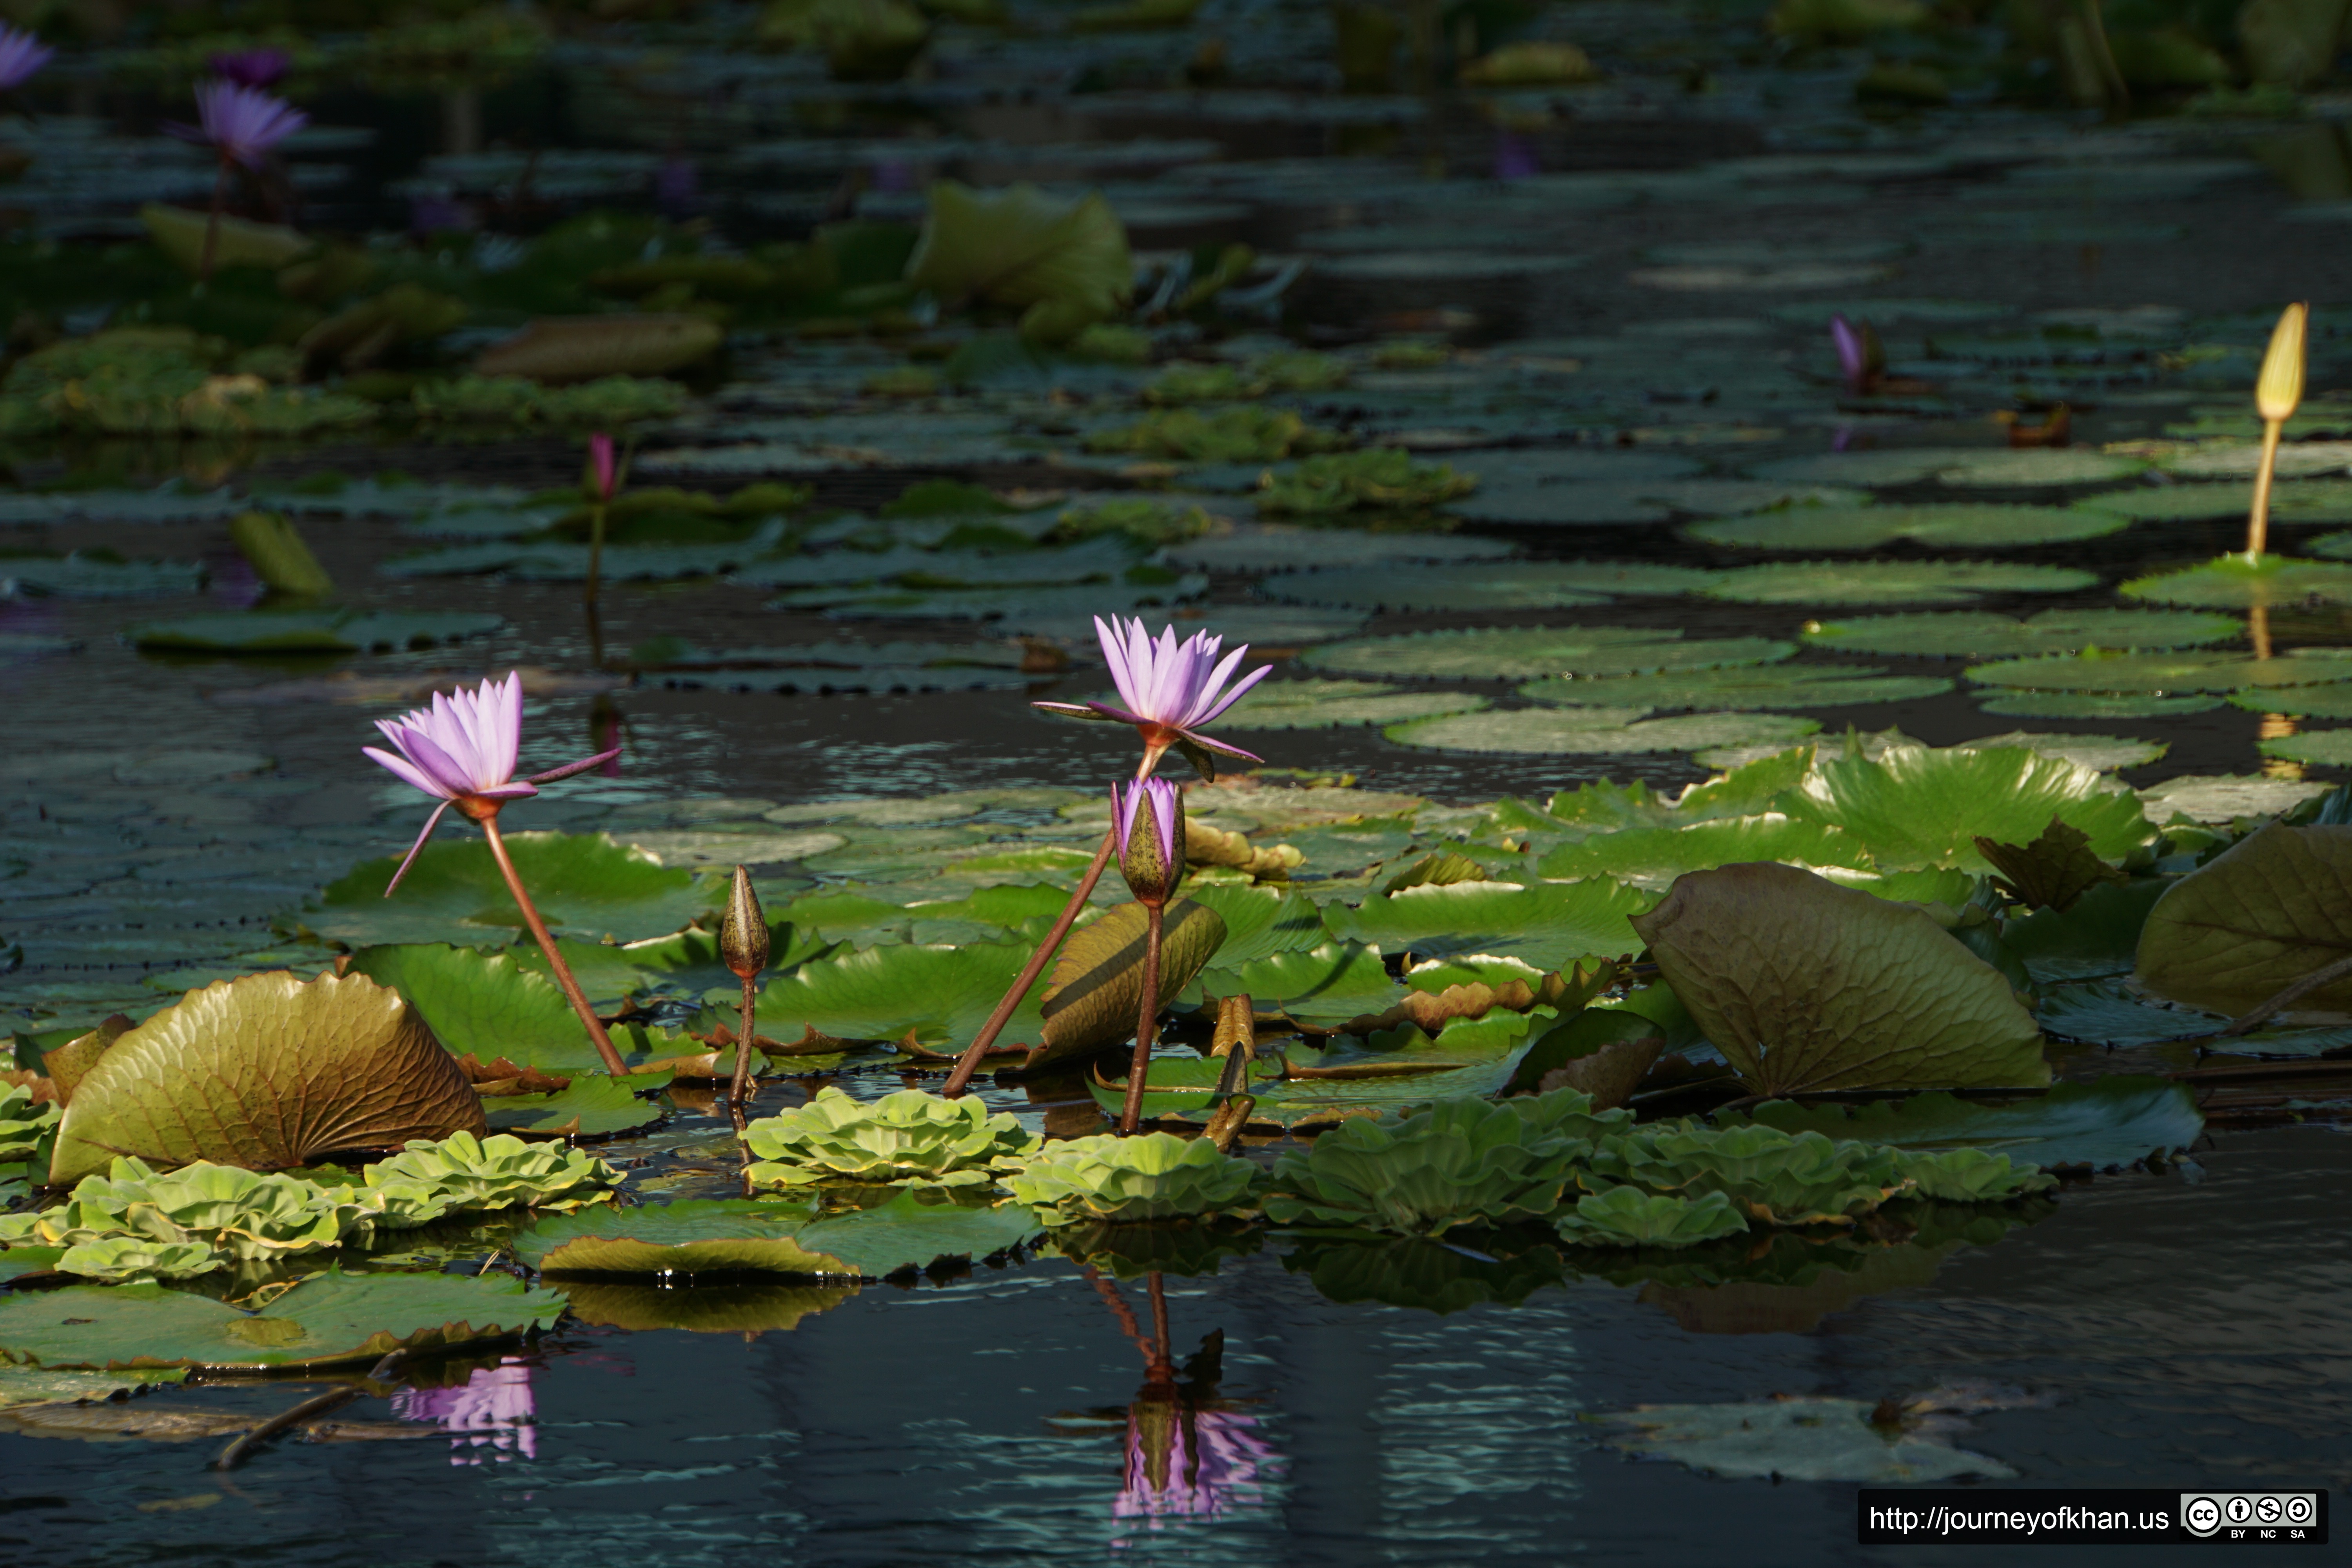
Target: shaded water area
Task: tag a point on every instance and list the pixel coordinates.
(1609, 303)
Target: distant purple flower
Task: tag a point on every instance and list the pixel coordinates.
(494, 1407)
(240, 124)
(258, 69)
(1862, 358)
(463, 750)
(1515, 159)
(1181, 1461)
(1171, 689)
(21, 55)
(602, 473)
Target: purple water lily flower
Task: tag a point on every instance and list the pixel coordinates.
(494, 1408)
(21, 57)
(462, 749)
(1171, 689)
(239, 123)
(1182, 1461)
(260, 69)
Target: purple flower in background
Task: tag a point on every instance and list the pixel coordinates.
(258, 69)
(494, 1408)
(21, 57)
(1171, 689)
(240, 124)
(1515, 158)
(1186, 1462)
(1862, 358)
(463, 750)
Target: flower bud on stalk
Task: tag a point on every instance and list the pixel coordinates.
(2276, 394)
(1148, 815)
(601, 480)
(743, 947)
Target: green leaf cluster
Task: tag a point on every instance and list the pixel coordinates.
(1385, 479)
(1245, 434)
(191, 1221)
(430, 1180)
(1769, 1176)
(1628, 1216)
(23, 1123)
(910, 1135)
(1115, 1178)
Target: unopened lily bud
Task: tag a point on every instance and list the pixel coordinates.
(743, 930)
(2280, 388)
(602, 476)
(1151, 817)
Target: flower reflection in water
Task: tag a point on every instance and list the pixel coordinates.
(1185, 1460)
(492, 1410)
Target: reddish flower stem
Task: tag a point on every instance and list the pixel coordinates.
(1147, 1023)
(595, 1026)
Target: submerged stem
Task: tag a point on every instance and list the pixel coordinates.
(737, 1090)
(1147, 1023)
(579, 1000)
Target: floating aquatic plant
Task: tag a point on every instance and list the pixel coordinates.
(1119, 1180)
(431, 1179)
(1629, 1217)
(1461, 1162)
(231, 1215)
(902, 1136)
(463, 750)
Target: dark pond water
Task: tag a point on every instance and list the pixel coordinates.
(2149, 1329)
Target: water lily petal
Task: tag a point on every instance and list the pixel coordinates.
(431, 823)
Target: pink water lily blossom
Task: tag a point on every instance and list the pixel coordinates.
(240, 124)
(21, 57)
(258, 69)
(494, 1407)
(463, 750)
(1171, 689)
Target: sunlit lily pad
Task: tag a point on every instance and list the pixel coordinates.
(1325, 704)
(2232, 582)
(1550, 924)
(1654, 856)
(584, 885)
(1597, 731)
(2325, 748)
(2158, 672)
(733, 1235)
(1328, 982)
(1892, 582)
(909, 1232)
(1962, 634)
(590, 1106)
(1914, 807)
(1954, 527)
(2333, 701)
(2035, 468)
(2223, 797)
(1505, 653)
(1520, 586)
(942, 993)
(1748, 686)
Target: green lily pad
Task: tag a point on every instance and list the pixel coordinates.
(1798, 1439)
(585, 885)
(605, 1301)
(1804, 985)
(102, 576)
(1598, 731)
(1552, 925)
(1868, 470)
(1328, 982)
(1281, 547)
(2099, 670)
(1955, 527)
(1761, 685)
(942, 993)
(2174, 504)
(1654, 856)
(1328, 704)
(1506, 653)
(2037, 469)
(2095, 936)
(2224, 797)
(1917, 807)
(1502, 498)
(909, 1232)
(1260, 920)
(2232, 582)
(308, 631)
(1096, 985)
(1519, 586)
(2094, 705)
(267, 1072)
(1892, 582)
(2331, 701)
(2115, 1121)
(590, 1106)
(2100, 754)
(328, 1318)
(731, 1235)
(487, 1005)
(2241, 927)
(1963, 634)
(2117, 1014)
(2324, 748)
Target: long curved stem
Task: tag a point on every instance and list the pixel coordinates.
(1147, 1023)
(970, 1062)
(742, 1081)
(579, 1000)
(2258, 521)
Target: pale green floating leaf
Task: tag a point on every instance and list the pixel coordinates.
(485, 1005)
(1328, 704)
(1628, 1216)
(1261, 920)
(1892, 582)
(2115, 1121)
(911, 1231)
(2276, 906)
(1502, 499)
(1917, 807)
(320, 631)
(1523, 585)
(1598, 731)
(2100, 754)
(2155, 673)
(2295, 459)
(2232, 582)
(2332, 700)
(1654, 856)
(1125, 1180)
(1804, 985)
(1552, 925)
(1506, 653)
(2324, 748)
(590, 1106)
(908, 1134)
(1797, 1439)
(1765, 686)
(2224, 797)
(1967, 633)
(585, 885)
(267, 1072)
(1868, 470)
(1954, 527)
(2094, 705)
(942, 992)
(1331, 982)
(2036, 468)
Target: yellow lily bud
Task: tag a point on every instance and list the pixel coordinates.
(2281, 386)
